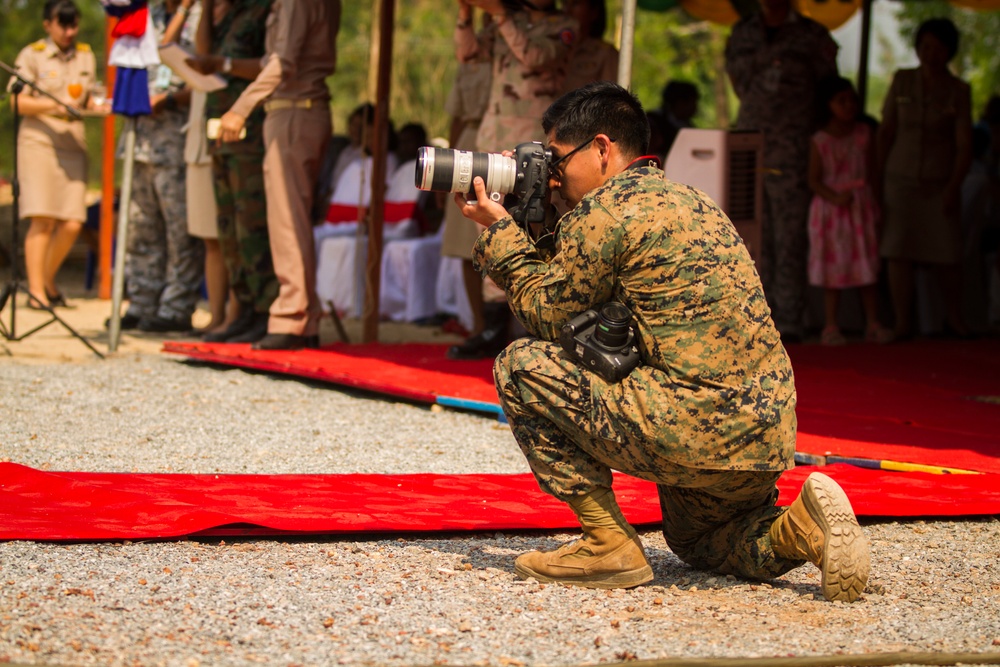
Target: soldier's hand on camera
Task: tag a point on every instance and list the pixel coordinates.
(483, 210)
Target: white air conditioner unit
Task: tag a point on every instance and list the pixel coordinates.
(728, 167)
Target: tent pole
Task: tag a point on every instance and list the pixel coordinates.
(628, 41)
(376, 213)
(114, 328)
(866, 27)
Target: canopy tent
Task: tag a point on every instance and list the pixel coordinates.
(831, 13)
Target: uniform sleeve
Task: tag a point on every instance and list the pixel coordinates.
(610, 70)
(24, 64)
(537, 50)
(546, 295)
(741, 61)
(260, 88)
(826, 54)
(469, 45)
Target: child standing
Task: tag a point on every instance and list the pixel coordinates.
(843, 248)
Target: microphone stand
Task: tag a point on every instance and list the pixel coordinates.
(13, 286)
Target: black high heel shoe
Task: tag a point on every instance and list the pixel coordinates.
(56, 300)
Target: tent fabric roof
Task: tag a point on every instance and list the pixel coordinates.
(831, 13)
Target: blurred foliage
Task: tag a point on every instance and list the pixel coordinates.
(978, 59)
(668, 45)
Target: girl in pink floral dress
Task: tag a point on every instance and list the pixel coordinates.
(843, 248)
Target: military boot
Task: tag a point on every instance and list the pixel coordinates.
(609, 555)
(820, 527)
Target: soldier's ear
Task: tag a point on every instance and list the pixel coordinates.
(603, 143)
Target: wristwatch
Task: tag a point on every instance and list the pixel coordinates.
(227, 65)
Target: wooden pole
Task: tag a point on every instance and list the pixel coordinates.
(866, 29)
(107, 226)
(370, 314)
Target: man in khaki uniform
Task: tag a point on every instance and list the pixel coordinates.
(530, 50)
(709, 414)
(52, 150)
(301, 53)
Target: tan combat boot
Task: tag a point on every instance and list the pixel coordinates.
(820, 527)
(609, 555)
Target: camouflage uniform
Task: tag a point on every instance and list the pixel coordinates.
(592, 59)
(710, 414)
(466, 102)
(775, 78)
(529, 67)
(164, 265)
(238, 166)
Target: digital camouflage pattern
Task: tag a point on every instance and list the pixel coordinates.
(529, 68)
(237, 167)
(775, 73)
(239, 35)
(163, 263)
(715, 390)
(243, 239)
(709, 415)
(159, 138)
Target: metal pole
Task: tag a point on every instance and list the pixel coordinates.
(628, 41)
(114, 329)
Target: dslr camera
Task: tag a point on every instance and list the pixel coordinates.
(602, 340)
(523, 178)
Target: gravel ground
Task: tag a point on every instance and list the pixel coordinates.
(452, 600)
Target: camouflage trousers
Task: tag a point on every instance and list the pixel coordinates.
(785, 248)
(164, 265)
(243, 237)
(712, 519)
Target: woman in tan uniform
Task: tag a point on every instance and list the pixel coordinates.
(51, 149)
(925, 148)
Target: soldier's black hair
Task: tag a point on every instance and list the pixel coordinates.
(602, 107)
(63, 12)
(944, 30)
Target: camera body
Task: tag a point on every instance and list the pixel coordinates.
(523, 178)
(602, 340)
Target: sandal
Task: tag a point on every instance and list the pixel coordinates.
(879, 334)
(832, 337)
(33, 303)
(56, 299)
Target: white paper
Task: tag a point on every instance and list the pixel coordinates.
(175, 57)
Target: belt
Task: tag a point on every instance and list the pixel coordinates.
(272, 105)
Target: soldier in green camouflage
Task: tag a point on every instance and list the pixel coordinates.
(234, 48)
(710, 413)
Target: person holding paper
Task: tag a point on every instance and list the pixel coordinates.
(163, 263)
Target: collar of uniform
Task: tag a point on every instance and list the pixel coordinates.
(53, 51)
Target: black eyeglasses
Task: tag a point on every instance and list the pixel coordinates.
(554, 170)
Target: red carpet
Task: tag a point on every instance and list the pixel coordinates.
(914, 403)
(65, 506)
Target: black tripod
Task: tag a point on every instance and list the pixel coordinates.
(13, 286)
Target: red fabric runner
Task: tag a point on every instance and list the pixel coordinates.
(74, 506)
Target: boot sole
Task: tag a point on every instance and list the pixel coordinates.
(629, 579)
(846, 559)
